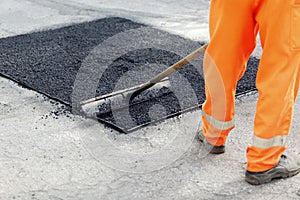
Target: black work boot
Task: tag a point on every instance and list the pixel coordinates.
(211, 148)
(287, 167)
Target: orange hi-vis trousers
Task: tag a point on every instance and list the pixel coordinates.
(234, 25)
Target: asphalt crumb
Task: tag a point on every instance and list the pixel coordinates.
(48, 62)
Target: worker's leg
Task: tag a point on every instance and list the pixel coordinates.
(277, 81)
(233, 34)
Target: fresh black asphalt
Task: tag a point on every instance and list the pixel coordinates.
(48, 62)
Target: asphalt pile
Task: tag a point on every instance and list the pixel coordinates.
(49, 61)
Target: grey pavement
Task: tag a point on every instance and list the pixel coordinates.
(48, 153)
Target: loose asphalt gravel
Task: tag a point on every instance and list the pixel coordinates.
(49, 62)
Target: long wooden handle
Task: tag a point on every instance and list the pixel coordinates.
(169, 71)
(179, 64)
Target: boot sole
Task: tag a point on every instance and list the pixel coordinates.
(266, 178)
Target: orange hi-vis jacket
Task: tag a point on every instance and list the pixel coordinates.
(234, 25)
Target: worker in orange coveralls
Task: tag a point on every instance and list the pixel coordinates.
(234, 25)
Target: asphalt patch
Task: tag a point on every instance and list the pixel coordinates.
(52, 62)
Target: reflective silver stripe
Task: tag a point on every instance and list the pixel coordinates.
(218, 124)
(267, 143)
